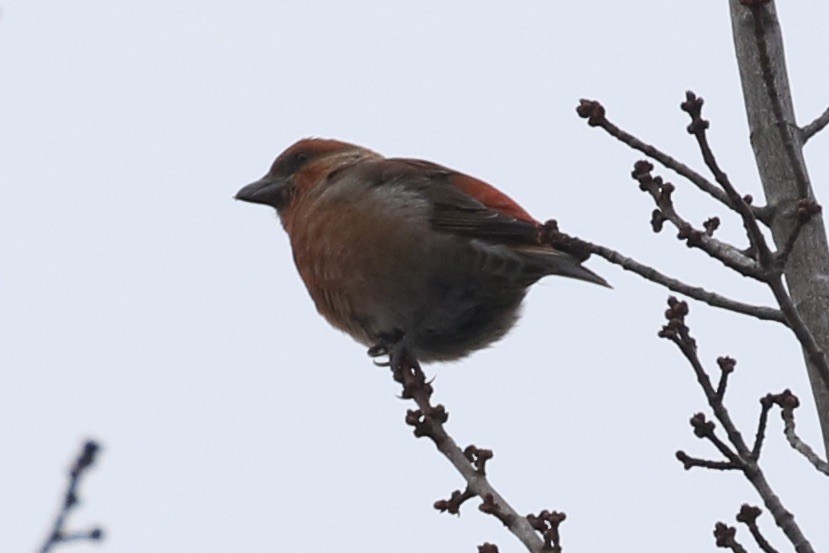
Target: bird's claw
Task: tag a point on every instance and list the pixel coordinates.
(379, 350)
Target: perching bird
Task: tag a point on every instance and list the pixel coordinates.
(405, 255)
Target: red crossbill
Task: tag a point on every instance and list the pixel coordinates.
(406, 255)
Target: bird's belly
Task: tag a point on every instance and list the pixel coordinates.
(381, 285)
(440, 308)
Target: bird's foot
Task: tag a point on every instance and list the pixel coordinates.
(404, 366)
(386, 344)
(379, 350)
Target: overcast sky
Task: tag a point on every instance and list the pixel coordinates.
(141, 306)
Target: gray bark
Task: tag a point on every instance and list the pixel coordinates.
(778, 149)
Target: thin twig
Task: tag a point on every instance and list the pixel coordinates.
(726, 537)
(689, 462)
(788, 402)
(595, 113)
(808, 131)
(662, 194)
(453, 504)
(762, 422)
(693, 106)
(748, 515)
(705, 429)
(548, 523)
(726, 365)
(713, 299)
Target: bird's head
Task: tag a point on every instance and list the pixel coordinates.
(299, 169)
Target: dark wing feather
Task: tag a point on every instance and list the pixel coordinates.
(464, 205)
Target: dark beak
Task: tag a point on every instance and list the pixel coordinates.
(272, 191)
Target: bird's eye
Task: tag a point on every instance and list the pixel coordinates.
(290, 164)
(300, 158)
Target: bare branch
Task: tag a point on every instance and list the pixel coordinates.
(662, 194)
(428, 421)
(770, 263)
(762, 422)
(815, 126)
(689, 462)
(594, 112)
(678, 332)
(726, 365)
(566, 242)
(698, 127)
(704, 428)
(788, 402)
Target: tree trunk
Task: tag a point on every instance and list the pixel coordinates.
(778, 148)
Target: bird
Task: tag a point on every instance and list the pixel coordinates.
(410, 258)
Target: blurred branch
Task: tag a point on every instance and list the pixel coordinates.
(58, 534)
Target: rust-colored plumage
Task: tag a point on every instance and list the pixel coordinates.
(406, 254)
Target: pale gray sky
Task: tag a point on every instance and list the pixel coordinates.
(145, 308)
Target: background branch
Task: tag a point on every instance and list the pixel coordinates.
(58, 534)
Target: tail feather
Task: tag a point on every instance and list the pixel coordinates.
(526, 265)
(562, 264)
